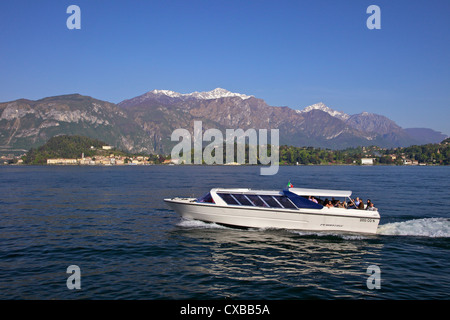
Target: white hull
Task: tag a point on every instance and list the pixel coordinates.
(325, 219)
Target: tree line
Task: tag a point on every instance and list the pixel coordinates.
(439, 153)
(65, 146)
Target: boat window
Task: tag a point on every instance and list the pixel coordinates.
(301, 202)
(256, 200)
(285, 202)
(277, 201)
(228, 198)
(242, 199)
(270, 201)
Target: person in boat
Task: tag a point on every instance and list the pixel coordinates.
(361, 205)
(370, 207)
(368, 203)
(356, 201)
(340, 204)
(329, 204)
(313, 199)
(351, 204)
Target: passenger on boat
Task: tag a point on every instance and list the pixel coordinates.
(356, 201)
(313, 199)
(340, 204)
(334, 201)
(351, 204)
(361, 205)
(370, 207)
(329, 204)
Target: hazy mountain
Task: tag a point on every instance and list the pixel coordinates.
(381, 130)
(425, 135)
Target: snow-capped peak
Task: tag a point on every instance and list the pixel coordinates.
(213, 94)
(321, 106)
(218, 93)
(169, 93)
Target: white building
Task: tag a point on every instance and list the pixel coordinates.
(367, 161)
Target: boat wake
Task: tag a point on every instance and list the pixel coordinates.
(427, 227)
(196, 224)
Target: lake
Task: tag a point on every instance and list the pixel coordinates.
(112, 223)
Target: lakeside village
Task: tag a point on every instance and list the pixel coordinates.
(105, 155)
(108, 158)
(105, 160)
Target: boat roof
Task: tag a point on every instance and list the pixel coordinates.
(298, 191)
(247, 191)
(321, 192)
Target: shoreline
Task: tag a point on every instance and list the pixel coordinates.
(225, 165)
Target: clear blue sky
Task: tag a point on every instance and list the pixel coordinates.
(289, 53)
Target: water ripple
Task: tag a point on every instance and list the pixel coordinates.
(113, 224)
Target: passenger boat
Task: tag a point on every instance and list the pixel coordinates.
(291, 208)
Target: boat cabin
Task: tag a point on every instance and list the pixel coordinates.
(292, 198)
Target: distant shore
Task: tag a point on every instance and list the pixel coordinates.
(217, 165)
(79, 150)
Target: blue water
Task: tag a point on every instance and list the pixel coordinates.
(113, 224)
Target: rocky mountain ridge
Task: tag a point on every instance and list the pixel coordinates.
(26, 123)
(145, 123)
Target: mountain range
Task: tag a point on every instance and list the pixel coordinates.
(144, 124)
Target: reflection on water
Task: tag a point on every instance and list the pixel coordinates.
(278, 262)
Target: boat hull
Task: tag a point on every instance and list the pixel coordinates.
(326, 219)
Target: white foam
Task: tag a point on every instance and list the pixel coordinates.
(196, 224)
(345, 236)
(427, 227)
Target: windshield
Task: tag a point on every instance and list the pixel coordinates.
(206, 198)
